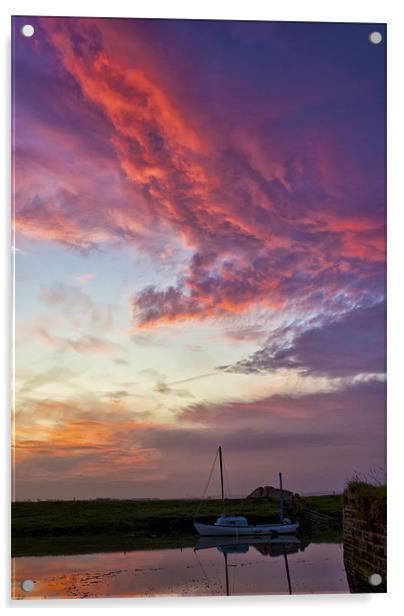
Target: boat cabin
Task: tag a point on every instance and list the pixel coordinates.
(226, 520)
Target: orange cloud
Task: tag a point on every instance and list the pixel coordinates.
(48, 223)
(59, 438)
(265, 222)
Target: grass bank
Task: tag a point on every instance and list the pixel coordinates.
(370, 501)
(64, 526)
(52, 518)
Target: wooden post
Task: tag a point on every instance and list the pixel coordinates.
(280, 498)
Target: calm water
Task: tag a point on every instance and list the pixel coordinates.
(235, 569)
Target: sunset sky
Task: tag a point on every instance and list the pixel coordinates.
(199, 255)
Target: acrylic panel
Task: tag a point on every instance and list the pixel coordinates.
(199, 215)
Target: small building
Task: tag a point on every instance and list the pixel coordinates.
(271, 492)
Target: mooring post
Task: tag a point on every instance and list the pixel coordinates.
(280, 498)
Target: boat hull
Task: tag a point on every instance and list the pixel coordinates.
(212, 530)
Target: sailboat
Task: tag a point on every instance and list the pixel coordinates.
(238, 525)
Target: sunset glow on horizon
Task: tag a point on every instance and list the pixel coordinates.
(200, 259)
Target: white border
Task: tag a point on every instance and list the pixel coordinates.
(371, 11)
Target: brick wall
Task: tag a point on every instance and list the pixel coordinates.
(365, 550)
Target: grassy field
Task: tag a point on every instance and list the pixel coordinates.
(128, 516)
(329, 504)
(65, 526)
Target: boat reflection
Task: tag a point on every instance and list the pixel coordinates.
(272, 547)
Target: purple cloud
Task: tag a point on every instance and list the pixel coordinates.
(355, 343)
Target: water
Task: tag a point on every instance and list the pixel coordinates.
(234, 569)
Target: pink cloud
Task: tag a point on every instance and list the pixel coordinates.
(83, 279)
(269, 218)
(85, 344)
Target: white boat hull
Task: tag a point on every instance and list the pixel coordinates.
(213, 530)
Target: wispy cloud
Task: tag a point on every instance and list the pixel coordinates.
(73, 301)
(82, 344)
(350, 344)
(83, 279)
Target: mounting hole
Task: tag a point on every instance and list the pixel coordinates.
(375, 579)
(28, 30)
(27, 585)
(375, 38)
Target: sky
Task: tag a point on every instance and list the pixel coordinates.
(199, 256)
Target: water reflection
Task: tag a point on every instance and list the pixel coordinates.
(264, 545)
(213, 566)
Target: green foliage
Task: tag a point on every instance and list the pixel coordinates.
(49, 518)
(370, 500)
(329, 504)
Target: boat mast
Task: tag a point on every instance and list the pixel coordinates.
(221, 476)
(280, 498)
